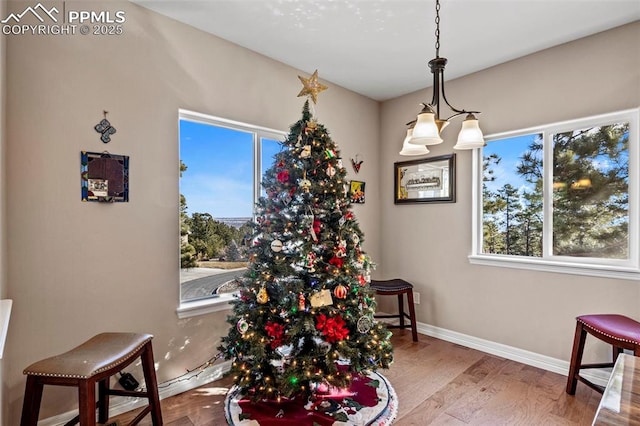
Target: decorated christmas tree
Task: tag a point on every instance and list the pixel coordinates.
(303, 321)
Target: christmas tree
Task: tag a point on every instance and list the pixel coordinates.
(304, 317)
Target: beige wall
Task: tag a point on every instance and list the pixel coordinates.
(429, 244)
(77, 269)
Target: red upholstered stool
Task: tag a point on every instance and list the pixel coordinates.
(95, 361)
(617, 330)
(399, 287)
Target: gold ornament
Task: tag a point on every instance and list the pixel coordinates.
(262, 297)
(312, 87)
(306, 151)
(305, 184)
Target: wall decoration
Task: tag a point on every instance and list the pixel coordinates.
(356, 164)
(104, 177)
(428, 180)
(356, 191)
(105, 128)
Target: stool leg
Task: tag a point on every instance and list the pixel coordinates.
(412, 316)
(87, 402)
(103, 400)
(616, 351)
(148, 367)
(576, 358)
(401, 309)
(32, 399)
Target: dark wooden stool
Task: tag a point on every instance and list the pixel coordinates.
(617, 330)
(399, 287)
(95, 361)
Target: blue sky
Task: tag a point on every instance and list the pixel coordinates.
(219, 176)
(510, 150)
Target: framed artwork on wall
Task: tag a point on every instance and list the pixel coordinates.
(356, 191)
(104, 177)
(428, 180)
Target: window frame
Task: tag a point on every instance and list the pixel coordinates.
(222, 302)
(609, 268)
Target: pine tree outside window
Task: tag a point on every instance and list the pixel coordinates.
(222, 163)
(561, 197)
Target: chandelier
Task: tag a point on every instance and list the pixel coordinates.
(425, 129)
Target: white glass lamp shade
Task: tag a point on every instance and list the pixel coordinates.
(470, 135)
(411, 150)
(426, 131)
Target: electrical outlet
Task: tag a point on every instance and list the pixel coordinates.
(416, 298)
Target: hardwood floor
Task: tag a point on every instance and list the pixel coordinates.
(437, 383)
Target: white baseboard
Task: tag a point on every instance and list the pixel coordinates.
(599, 377)
(120, 404)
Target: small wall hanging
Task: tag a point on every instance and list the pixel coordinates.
(356, 164)
(105, 128)
(356, 192)
(104, 177)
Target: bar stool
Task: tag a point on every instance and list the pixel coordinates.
(617, 330)
(399, 287)
(94, 361)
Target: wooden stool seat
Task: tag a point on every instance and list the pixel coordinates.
(398, 287)
(94, 361)
(617, 330)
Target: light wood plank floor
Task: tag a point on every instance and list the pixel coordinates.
(438, 383)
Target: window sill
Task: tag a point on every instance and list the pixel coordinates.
(601, 271)
(204, 306)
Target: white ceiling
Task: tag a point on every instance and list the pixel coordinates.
(380, 48)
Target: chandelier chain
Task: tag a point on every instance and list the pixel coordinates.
(437, 28)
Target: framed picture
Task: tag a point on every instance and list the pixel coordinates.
(428, 180)
(104, 177)
(356, 191)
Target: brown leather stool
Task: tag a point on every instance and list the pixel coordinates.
(94, 361)
(617, 330)
(399, 287)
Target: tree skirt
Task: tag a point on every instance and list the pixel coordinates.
(369, 401)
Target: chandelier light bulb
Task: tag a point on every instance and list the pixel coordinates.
(411, 150)
(426, 130)
(470, 135)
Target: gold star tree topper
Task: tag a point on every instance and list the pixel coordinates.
(312, 87)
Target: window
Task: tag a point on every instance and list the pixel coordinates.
(221, 166)
(561, 197)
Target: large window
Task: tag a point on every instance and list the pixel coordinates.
(221, 166)
(561, 197)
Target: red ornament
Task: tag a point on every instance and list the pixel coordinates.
(336, 261)
(276, 332)
(316, 226)
(340, 291)
(333, 329)
(283, 176)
